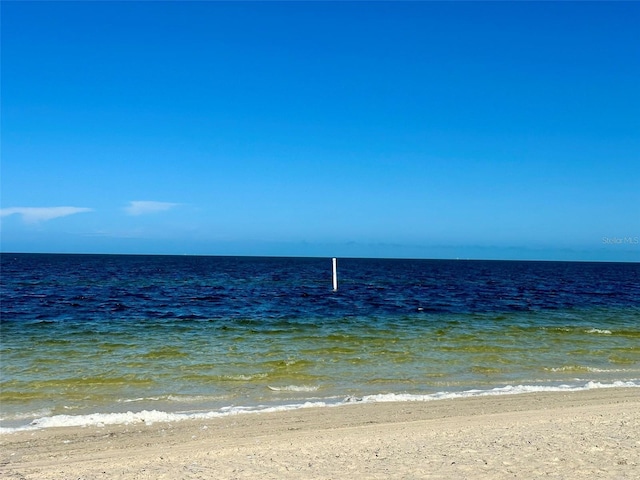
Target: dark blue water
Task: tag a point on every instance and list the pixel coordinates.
(103, 287)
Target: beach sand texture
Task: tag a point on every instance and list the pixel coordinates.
(588, 434)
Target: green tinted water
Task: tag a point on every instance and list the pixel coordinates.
(61, 368)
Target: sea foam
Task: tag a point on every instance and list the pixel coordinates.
(294, 388)
(600, 331)
(149, 417)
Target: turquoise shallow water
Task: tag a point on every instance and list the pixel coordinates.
(107, 334)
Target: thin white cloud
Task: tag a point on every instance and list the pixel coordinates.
(42, 214)
(144, 207)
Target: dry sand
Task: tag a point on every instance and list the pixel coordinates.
(590, 434)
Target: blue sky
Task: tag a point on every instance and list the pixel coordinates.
(414, 129)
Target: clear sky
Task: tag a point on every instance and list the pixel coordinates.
(506, 130)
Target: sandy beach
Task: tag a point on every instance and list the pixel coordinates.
(588, 434)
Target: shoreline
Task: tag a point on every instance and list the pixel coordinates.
(152, 414)
(591, 433)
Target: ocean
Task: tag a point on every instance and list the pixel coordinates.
(103, 339)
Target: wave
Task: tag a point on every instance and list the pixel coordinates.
(507, 390)
(597, 330)
(583, 369)
(294, 388)
(149, 417)
(172, 398)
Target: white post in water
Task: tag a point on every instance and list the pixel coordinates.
(335, 274)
